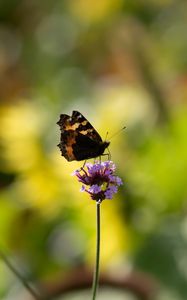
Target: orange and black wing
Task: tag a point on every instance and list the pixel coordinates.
(79, 139)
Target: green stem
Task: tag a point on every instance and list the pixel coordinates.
(96, 273)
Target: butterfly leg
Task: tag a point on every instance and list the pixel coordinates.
(97, 160)
(82, 168)
(107, 154)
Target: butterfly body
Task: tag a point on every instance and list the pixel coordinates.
(79, 140)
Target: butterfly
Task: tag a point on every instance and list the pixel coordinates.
(79, 139)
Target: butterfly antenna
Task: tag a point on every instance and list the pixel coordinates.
(117, 132)
(106, 136)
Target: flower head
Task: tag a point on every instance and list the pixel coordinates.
(99, 180)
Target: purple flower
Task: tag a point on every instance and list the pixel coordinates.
(99, 180)
(110, 191)
(95, 189)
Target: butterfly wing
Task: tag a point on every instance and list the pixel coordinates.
(84, 127)
(85, 147)
(79, 139)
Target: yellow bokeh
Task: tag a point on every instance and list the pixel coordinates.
(93, 11)
(21, 127)
(114, 234)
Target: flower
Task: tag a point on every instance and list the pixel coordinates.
(99, 180)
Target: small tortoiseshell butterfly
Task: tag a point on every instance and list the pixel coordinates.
(79, 140)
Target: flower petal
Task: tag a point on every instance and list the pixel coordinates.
(95, 189)
(100, 179)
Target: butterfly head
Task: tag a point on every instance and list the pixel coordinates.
(105, 144)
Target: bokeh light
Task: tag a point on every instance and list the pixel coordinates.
(120, 63)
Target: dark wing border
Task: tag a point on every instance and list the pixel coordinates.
(84, 127)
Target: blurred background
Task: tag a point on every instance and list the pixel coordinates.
(120, 63)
